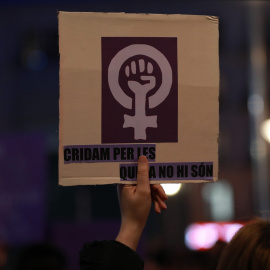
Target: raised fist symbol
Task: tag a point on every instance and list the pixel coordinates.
(138, 68)
(140, 81)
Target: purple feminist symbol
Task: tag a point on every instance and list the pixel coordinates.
(140, 121)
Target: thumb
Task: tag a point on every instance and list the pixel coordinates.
(143, 174)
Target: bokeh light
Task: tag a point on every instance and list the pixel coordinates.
(171, 189)
(265, 130)
(201, 236)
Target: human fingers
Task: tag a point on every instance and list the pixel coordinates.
(158, 201)
(156, 206)
(158, 197)
(143, 175)
(158, 189)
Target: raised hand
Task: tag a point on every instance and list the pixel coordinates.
(135, 204)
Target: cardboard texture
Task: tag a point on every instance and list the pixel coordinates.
(133, 84)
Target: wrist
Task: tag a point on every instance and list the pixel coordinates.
(130, 234)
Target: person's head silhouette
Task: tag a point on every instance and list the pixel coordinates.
(249, 249)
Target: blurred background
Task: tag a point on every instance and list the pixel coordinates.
(41, 221)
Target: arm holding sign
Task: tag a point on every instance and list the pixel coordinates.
(135, 204)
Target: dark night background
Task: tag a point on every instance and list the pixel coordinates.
(34, 209)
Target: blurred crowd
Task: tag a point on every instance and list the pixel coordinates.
(43, 256)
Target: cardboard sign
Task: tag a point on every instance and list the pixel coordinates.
(138, 84)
